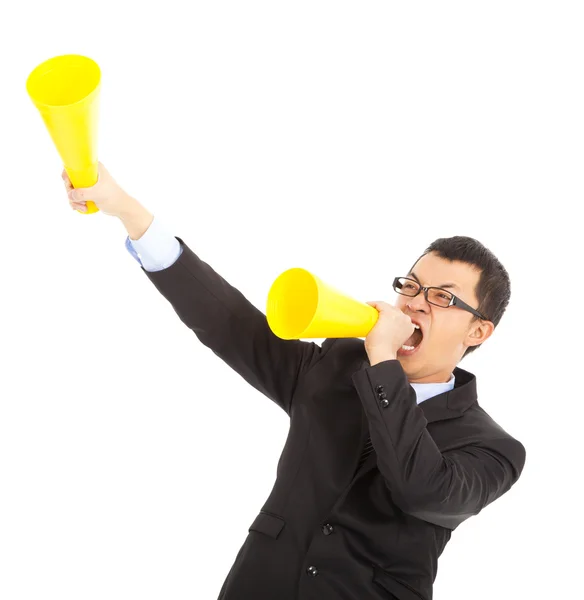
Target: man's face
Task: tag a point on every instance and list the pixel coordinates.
(447, 331)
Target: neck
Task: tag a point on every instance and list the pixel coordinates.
(442, 377)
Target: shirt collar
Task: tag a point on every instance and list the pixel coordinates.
(427, 390)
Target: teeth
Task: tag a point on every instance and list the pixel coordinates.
(410, 347)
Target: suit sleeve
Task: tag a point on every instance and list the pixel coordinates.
(234, 329)
(157, 249)
(441, 488)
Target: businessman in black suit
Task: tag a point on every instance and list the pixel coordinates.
(388, 450)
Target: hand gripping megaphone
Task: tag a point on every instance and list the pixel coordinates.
(65, 89)
(300, 305)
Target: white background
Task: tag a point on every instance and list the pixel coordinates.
(342, 137)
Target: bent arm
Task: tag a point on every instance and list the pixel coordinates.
(441, 488)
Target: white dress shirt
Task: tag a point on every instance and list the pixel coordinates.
(158, 249)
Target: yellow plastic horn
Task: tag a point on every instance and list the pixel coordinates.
(65, 89)
(300, 305)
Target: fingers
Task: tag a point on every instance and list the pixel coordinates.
(69, 186)
(74, 194)
(75, 205)
(380, 306)
(67, 181)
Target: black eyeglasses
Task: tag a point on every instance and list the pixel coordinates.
(434, 295)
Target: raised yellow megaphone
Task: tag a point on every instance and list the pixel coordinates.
(300, 305)
(65, 89)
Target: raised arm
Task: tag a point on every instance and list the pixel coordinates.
(217, 313)
(233, 328)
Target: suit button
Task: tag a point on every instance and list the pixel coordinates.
(382, 395)
(384, 403)
(327, 529)
(379, 388)
(312, 571)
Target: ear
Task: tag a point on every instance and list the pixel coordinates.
(479, 333)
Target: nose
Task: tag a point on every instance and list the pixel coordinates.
(418, 303)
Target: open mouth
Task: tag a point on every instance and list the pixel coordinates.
(412, 344)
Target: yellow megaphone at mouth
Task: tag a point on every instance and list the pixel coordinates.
(65, 89)
(300, 305)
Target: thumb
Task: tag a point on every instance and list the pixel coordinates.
(80, 194)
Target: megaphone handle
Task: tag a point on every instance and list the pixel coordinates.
(84, 178)
(91, 208)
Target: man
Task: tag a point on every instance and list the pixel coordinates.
(388, 449)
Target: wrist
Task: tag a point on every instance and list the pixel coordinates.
(376, 359)
(134, 217)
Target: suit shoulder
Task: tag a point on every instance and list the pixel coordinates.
(495, 429)
(339, 357)
(346, 349)
(499, 439)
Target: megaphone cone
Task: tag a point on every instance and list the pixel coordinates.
(65, 89)
(300, 305)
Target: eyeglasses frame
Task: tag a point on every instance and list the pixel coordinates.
(455, 300)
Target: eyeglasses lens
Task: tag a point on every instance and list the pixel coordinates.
(409, 287)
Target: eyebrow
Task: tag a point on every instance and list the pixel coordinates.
(444, 285)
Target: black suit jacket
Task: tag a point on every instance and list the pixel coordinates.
(329, 531)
